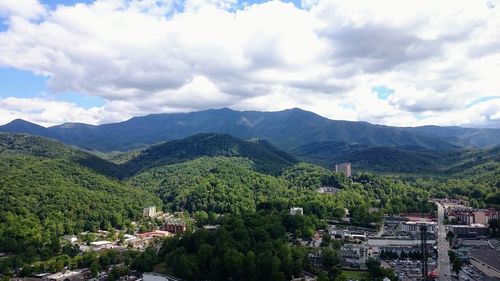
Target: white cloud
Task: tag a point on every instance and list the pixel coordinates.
(46, 112)
(31, 9)
(150, 56)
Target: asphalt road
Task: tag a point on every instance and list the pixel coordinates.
(443, 247)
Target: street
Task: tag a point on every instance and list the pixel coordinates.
(443, 247)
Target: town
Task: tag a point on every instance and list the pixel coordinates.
(451, 243)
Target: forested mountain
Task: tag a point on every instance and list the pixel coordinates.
(264, 156)
(22, 126)
(471, 137)
(389, 159)
(49, 189)
(286, 129)
(14, 144)
(47, 192)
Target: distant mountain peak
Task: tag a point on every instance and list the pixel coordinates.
(19, 121)
(288, 129)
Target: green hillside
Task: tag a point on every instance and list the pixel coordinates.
(216, 184)
(46, 192)
(19, 144)
(265, 157)
(48, 189)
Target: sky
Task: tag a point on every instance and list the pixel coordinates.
(391, 62)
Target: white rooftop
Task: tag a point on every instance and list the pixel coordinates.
(101, 243)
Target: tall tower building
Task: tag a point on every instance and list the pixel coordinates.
(149, 211)
(344, 168)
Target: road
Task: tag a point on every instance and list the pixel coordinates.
(443, 247)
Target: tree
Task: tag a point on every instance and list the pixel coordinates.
(94, 269)
(326, 240)
(494, 226)
(457, 265)
(329, 258)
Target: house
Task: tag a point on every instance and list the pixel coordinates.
(70, 238)
(210, 227)
(149, 276)
(296, 211)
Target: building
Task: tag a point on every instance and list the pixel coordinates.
(328, 189)
(210, 227)
(156, 233)
(76, 275)
(149, 276)
(175, 226)
(344, 168)
(306, 276)
(413, 227)
(354, 255)
(463, 254)
(70, 238)
(149, 211)
(354, 251)
(296, 211)
(473, 230)
(482, 216)
(100, 245)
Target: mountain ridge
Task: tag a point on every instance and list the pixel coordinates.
(287, 129)
(266, 158)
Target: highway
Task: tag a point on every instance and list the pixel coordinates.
(443, 247)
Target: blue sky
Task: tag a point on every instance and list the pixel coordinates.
(386, 62)
(25, 84)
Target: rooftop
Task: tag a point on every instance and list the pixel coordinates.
(488, 256)
(101, 243)
(474, 225)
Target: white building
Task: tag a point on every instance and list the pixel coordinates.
(70, 238)
(149, 211)
(149, 276)
(66, 275)
(344, 168)
(413, 227)
(296, 211)
(99, 245)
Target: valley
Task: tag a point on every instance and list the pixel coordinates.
(233, 195)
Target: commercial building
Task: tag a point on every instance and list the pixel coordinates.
(473, 230)
(156, 233)
(354, 251)
(344, 168)
(482, 216)
(175, 226)
(414, 227)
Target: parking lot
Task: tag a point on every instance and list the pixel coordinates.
(470, 273)
(409, 269)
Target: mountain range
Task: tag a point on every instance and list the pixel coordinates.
(287, 129)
